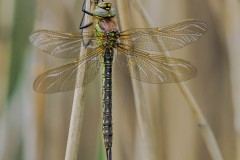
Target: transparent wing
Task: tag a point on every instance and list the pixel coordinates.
(60, 44)
(154, 68)
(70, 76)
(166, 38)
(90, 30)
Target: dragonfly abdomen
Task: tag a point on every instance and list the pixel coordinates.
(107, 97)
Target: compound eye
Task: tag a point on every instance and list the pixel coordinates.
(112, 12)
(100, 12)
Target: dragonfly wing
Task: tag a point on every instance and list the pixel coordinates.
(70, 76)
(154, 68)
(167, 38)
(60, 44)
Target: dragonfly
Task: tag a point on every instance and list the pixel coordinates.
(138, 55)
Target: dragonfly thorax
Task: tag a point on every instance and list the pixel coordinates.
(112, 38)
(107, 33)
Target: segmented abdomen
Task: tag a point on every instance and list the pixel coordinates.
(107, 96)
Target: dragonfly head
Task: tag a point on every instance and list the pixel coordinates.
(104, 10)
(105, 5)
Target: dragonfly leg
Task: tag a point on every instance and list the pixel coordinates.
(85, 26)
(84, 10)
(86, 44)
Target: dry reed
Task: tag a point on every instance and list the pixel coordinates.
(205, 128)
(230, 27)
(147, 142)
(73, 143)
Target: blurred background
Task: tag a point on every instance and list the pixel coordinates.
(34, 126)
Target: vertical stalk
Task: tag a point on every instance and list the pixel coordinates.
(232, 32)
(73, 142)
(205, 128)
(140, 102)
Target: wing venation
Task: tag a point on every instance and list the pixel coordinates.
(70, 76)
(167, 38)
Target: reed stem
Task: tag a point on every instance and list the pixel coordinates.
(205, 128)
(140, 102)
(73, 142)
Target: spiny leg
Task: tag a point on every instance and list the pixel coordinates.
(83, 27)
(86, 25)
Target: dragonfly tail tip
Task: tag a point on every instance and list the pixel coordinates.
(109, 153)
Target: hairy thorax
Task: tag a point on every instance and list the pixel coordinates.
(107, 33)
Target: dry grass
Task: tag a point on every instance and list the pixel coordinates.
(149, 121)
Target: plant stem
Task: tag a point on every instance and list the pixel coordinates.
(139, 96)
(205, 128)
(73, 143)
